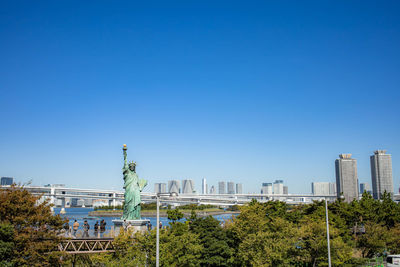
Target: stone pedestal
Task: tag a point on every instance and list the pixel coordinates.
(133, 226)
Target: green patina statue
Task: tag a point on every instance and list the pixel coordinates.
(133, 186)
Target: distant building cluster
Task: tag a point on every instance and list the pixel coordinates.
(276, 188)
(187, 187)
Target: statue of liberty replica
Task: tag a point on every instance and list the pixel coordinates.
(131, 219)
(133, 186)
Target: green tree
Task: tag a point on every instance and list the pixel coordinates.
(36, 230)
(6, 244)
(174, 215)
(216, 250)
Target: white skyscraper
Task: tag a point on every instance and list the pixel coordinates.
(212, 190)
(266, 188)
(187, 186)
(381, 173)
(239, 189)
(204, 186)
(160, 188)
(278, 187)
(323, 188)
(231, 188)
(221, 188)
(173, 186)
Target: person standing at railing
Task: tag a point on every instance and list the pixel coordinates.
(96, 229)
(102, 227)
(75, 227)
(86, 228)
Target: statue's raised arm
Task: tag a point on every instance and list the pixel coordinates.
(124, 149)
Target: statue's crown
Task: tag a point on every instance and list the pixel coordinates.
(132, 163)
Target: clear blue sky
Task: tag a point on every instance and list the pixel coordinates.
(247, 91)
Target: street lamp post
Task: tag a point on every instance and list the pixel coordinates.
(158, 195)
(327, 233)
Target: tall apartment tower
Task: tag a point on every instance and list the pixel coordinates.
(204, 186)
(221, 188)
(285, 190)
(239, 189)
(160, 188)
(212, 190)
(266, 188)
(278, 187)
(381, 173)
(231, 188)
(187, 187)
(173, 186)
(346, 177)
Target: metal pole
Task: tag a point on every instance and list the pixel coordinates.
(158, 233)
(327, 233)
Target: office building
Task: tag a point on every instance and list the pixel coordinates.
(364, 187)
(346, 177)
(212, 190)
(6, 180)
(188, 187)
(381, 173)
(231, 188)
(173, 186)
(323, 188)
(239, 189)
(278, 187)
(285, 190)
(266, 188)
(221, 188)
(160, 188)
(204, 186)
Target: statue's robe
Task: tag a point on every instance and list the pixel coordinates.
(133, 186)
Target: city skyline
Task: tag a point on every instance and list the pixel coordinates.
(229, 91)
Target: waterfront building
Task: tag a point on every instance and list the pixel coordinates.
(346, 177)
(212, 190)
(278, 187)
(266, 188)
(285, 190)
(381, 173)
(188, 187)
(6, 180)
(204, 186)
(221, 188)
(231, 188)
(173, 186)
(160, 188)
(364, 187)
(239, 189)
(323, 188)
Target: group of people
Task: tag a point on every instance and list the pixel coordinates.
(99, 228)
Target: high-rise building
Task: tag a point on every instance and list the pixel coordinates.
(212, 190)
(231, 188)
(346, 177)
(381, 173)
(239, 189)
(173, 186)
(188, 187)
(6, 180)
(204, 186)
(221, 188)
(160, 188)
(323, 188)
(278, 187)
(285, 190)
(266, 188)
(364, 187)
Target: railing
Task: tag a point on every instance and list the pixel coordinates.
(85, 246)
